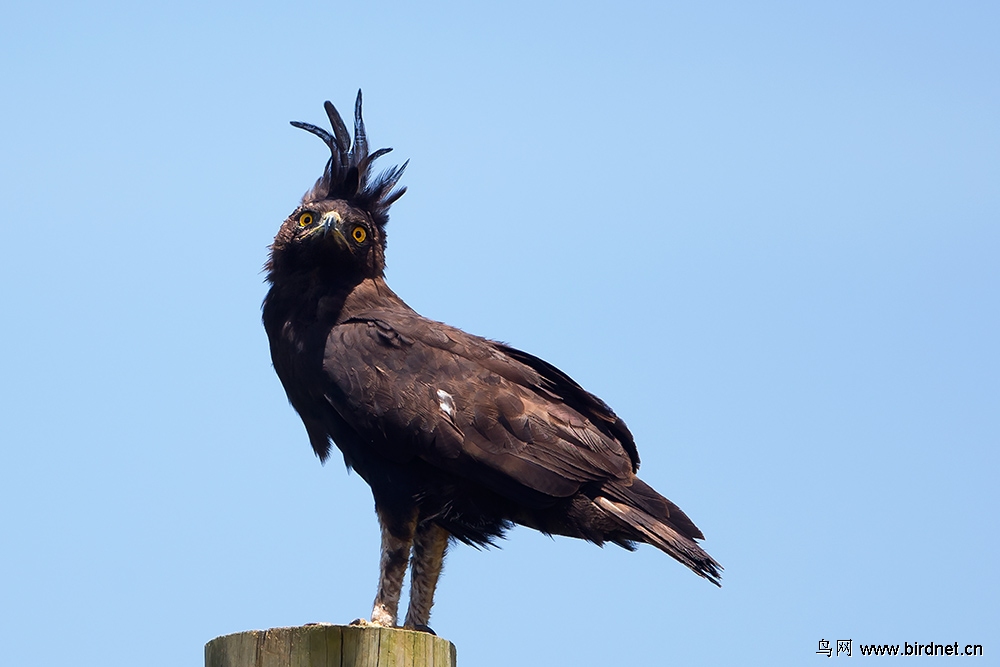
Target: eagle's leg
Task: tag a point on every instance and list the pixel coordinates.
(429, 546)
(397, 538)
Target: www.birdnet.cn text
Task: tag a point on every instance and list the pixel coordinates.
(847, 648)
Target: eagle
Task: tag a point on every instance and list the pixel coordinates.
(459, 437)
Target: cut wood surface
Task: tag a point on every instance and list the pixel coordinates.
(330, 646)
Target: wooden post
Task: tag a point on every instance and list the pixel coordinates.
(330, 646)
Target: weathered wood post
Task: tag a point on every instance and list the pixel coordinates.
(330, 646)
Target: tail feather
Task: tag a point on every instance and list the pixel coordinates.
(664, 536)
(636, 493)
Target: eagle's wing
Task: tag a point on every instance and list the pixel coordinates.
(415, 388)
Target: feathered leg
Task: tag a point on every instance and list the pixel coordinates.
(429, 546)
(397, 538)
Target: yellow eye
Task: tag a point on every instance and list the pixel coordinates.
(359, 234)
(305, 219)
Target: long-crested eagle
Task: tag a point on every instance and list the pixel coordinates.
(459, 437)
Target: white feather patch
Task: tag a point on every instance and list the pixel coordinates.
(447, 403)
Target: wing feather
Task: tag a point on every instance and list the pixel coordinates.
(505, 424)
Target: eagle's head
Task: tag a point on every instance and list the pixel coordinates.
(339, 228)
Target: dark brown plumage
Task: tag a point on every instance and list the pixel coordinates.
(458, 436)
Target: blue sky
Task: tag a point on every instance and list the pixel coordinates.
(766, 234)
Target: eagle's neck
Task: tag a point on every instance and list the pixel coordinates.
(312, 301)
(369, 294)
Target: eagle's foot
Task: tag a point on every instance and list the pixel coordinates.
(381, 618)
(365, 623)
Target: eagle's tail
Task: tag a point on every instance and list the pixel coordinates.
(657, 521)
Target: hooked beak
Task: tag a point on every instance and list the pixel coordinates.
(331, 223)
